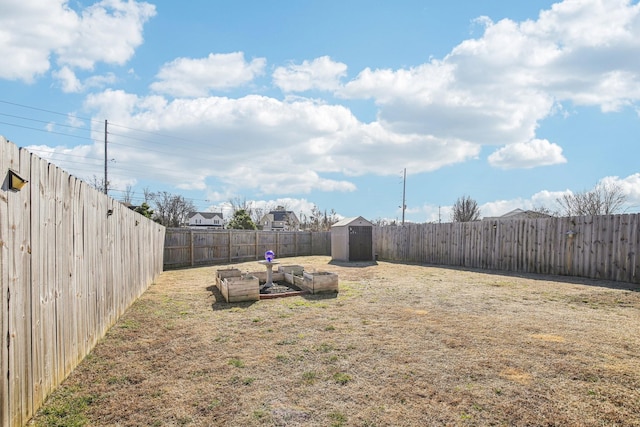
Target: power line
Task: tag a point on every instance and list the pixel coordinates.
(48, 111)
(35, 120)
(120, 135)
(84, 167)
(48, 131)
(96, 121)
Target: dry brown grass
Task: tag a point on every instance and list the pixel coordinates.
(400, 345)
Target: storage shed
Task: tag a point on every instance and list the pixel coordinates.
(351, 240)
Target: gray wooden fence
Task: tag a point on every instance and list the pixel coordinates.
(600, 247)
(188, 247)
(71, 261)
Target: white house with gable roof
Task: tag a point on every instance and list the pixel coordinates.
(212, 220)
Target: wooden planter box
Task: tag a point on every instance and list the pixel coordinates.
(262, 276)
(291, 269)
(320, 281)
(238, 289)
(227, 272)
(293, 279)
(292, 274)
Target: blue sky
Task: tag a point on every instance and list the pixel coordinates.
(303, 103)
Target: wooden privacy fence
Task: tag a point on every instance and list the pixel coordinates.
(71, 261)
(600, 247)
(188, 247)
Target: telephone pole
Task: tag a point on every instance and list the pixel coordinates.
(404, 187)
(106, 189)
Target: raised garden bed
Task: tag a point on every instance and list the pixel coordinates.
(289, 280)
(238, 289)
(320, 281)
(227, 272)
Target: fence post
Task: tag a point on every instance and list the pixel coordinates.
(191, 248)
(256, 244)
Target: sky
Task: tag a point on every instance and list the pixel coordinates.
(329, 103)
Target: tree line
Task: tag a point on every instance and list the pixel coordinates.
(172, 210)
(603, 199)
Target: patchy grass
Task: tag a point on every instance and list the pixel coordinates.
(400, 345)
(66, 408)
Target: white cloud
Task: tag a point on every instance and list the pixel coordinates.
(25, 47)
(630, 187)
(69, 82)
(322, 73)
(525, 155)
(497, 88)
(276, 147)
(491, 90)
(186, 77)
(108, 31)
(501, 207)
(32, 32)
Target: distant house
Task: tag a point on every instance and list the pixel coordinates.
(211, 220)
(518, 214)
(280, 220)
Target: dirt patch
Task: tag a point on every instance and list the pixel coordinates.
(400, 345)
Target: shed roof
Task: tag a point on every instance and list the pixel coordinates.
(349, 221)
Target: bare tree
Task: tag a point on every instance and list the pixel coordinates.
(148, 194)
(127, 195)
(321, 221)
(603, 199)
(240, 204)
(171, 210)
(543, 211)
(465, 209)
(99, 184)
(315, 219)
(383, 222)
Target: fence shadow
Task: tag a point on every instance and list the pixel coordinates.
(221, 304)
(353, 264)
(574, 280)
(320, 296)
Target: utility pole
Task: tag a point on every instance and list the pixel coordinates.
(404, 187)
(106, 185)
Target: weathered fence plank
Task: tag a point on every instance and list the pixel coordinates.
(186, 247)
(67, 271)
(600, 247)
(19, 355)
(5, 149)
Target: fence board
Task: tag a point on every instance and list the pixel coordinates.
(187, 247)
(603, 247)
(20, 368)
(59, 260)
(5, 149)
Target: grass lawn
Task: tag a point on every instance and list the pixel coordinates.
(399, 345)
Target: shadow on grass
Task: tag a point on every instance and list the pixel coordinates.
(575, 280)
(221, 304)
(320, 296)
(353, 264)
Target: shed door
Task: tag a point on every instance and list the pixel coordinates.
(360, 243)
